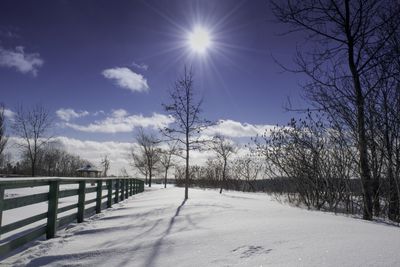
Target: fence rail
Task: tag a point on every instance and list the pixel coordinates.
(117, 189)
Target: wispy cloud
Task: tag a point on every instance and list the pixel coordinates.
(121, 121)
(100, 112)
(231, 128)
(9, 32)
(127, 79)
(20, 60)
(66, 114)
(140, 66)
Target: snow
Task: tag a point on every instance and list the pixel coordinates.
(156, 228)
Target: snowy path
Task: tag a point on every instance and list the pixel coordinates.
(232, 229)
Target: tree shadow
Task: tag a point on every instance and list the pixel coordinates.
(158, 244)
(94, 256)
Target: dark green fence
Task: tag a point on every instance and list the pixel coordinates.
(117, 189)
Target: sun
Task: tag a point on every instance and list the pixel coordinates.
(199, 40)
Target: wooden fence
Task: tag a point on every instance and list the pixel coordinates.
(117, 189)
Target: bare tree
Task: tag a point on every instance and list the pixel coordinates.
(49, 158)
(347, 43)
(105, 162)
(248, 168)
(224, 149)
(148, 155)
(123, 172)
(3, 137)
(32, 126)
(185, 108)
(166, 157)
(139, 163)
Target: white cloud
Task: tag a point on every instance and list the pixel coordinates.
(119, 113)
(21, 61)
(66, 114)
(9, 114)
(97, 113)
(231, 128)
(121, 121)
(201, 157)
(118, 152)
(127, 79)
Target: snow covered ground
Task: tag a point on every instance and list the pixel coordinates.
(233, 229)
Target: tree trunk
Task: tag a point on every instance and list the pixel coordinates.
(364, 167)
(375, 167)
(33, 167)
(223, 177)
(150, 175)
(187, 168)
(362, 140)
(393, 212)
(165, 177)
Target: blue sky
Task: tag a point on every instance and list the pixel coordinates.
(105, 67)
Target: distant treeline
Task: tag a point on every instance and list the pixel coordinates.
(287, 189)
(39, 153)
(280, 185)
(52, 160)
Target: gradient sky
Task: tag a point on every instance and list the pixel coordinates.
(68, 55)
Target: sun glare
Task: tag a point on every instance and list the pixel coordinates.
(199, 40)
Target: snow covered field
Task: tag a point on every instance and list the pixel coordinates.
(233, 229)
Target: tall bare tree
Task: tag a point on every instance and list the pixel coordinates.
(33, 127)
(347, 42)
(3, 137)
(224, 148)
(185, 108)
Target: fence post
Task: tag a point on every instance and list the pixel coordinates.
(109, 193)
(134, 187)
(98, 195)
(81, 201)
(131, 186)
(52, 209)
(122, 189)
(1, 204)
(116, 191)
(126, 188)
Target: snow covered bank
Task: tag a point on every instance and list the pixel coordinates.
(233, 229)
